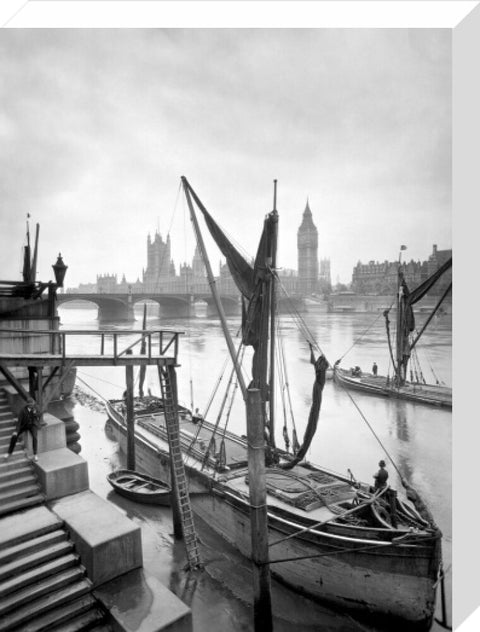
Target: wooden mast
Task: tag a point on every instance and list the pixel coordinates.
(211, 281)
(256, 456)
(27, 256)
(33, 271)
(400, 372)
(143, 368)
(273, 315)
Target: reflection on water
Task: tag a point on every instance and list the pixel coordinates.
(418, 438)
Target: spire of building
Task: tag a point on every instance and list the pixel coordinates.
(307, 220)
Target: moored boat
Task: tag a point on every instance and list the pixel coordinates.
(431, 394)
(402, 350)
(140, 487)
(331, 537)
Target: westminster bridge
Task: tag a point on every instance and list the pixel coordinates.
(119, 306)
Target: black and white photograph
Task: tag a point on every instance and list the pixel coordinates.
(226, 305)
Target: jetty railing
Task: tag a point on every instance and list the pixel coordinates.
(116, 346)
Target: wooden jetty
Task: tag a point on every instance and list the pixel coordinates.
(125, 348)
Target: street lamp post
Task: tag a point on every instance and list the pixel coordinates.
(59, 270)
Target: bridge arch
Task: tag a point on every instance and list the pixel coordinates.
(121, 306)
(110, 307)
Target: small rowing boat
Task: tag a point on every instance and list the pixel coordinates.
(140, 487)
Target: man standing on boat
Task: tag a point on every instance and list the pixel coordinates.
(374, 369)
(381, 476)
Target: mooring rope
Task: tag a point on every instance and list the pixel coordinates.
(101, 380)
(372, 430)
(92, 389)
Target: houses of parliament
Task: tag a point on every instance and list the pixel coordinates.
(160, 275)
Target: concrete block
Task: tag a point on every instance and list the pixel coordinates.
(61, 472)
(109, 543)
(138, 602)
(50, 437)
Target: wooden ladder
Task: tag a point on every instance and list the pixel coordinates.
(167, 379)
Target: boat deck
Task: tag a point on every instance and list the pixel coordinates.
(428, 393)
(197, 436)
(313, 492)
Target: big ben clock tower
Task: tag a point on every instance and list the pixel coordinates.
(307, 244)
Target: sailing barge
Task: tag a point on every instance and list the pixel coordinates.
(331, 537)
(405, 341)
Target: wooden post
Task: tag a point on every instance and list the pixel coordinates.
(262, 605)
(176, 514)
(443, 599)
(130, 417)
(31, 381)
(39, 398)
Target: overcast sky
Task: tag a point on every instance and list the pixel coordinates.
(97, 126)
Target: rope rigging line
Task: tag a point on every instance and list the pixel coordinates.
(101, 380)
(232, 399)
(200, 423)
(216, 386)
(372, 430)
(286, 388)
(299, 321)
(295, 444)
(430, 364)
(92, 389)
(281, 380)
(221, 459)
(219, 416)
(365, 332)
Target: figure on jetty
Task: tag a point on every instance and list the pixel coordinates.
(374, 369)
(29, 419)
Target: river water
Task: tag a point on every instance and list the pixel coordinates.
(417, 438)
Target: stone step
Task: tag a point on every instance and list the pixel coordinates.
(18, 471)
(10, 425)
(21, 481)
(5, 440)
(31, 545)
(21, 503)
(27, 524)
(93, 617)
(43, 613)
(18, 491)
(15, 459)
(41, 588)
(6, 431)
(34, 559)
(18, 449)
(60, 616)
(28, 577)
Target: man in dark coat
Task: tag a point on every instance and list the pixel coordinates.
(381, 476)
(28, 421)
